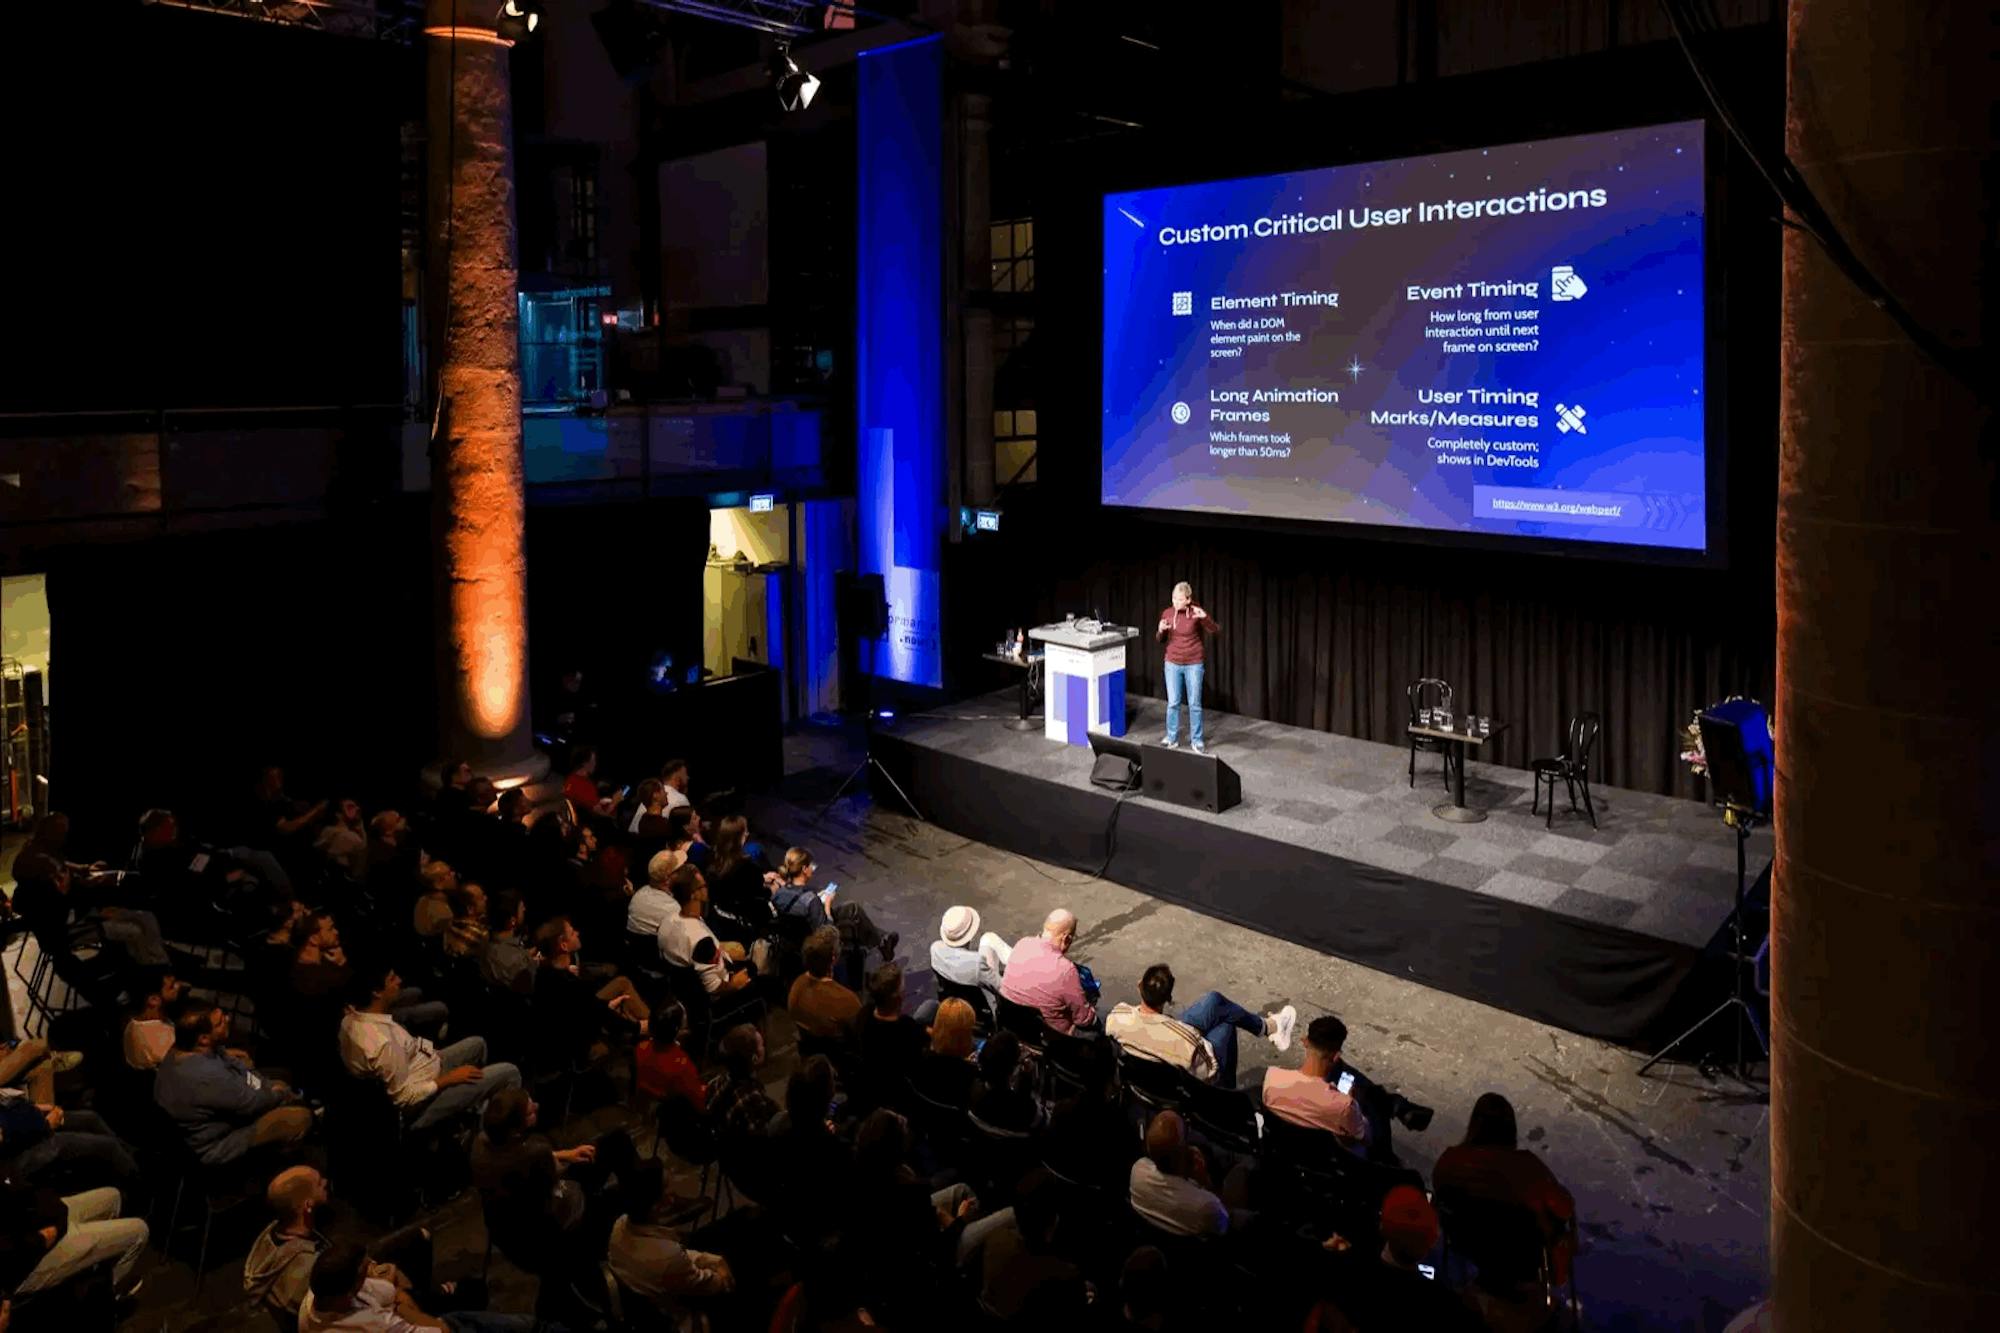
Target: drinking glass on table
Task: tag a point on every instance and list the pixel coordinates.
(1423, 717)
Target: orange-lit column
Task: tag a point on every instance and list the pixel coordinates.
(477, 488)
(1885, 1093)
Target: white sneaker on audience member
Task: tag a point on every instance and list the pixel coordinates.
(1278, 1027)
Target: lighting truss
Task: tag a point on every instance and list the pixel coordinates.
(377, 20)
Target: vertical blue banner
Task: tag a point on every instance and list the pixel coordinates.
(899, 347)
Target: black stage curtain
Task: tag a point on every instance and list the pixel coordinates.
(1323, 633)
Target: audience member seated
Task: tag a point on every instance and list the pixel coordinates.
(1003, 1094)
(721, 968)
(651, 1261)
(28, 1063)
(579, 1010)
(1041, 976)
(1203, 1039)
(888, 1042)
(808, 1156)
(820, 1005)
(649, 816)
(1304, 1097)
(740, 901)
(661, 1067)
(319, 963)
(1384, 1293)
(174, 872)
(1170, 1187)
(343, 1298)
(454, 779)
(343, 840)
(1022, 1276)
(904, 1233)
(46, 1239)
(429, 1085)
(278, 824)
(653, 906)
(393, 855)
(149, 1031)
(962, 955)
(741, 1110)
(580, 783)
(678, 836)
(465, 934)
(278, 1271)
(536, 1195)
(945, 1072)
(1490, 1165)
(803, 909)
(433, 912)
(223, 1106)
(506, 962)
(674, 775)
(49, 888)
(43, 1145)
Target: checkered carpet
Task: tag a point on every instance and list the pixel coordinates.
(1656, 865)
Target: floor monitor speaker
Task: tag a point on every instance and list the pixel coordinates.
(1186, 778)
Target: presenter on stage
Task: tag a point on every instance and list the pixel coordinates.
(1183, 627)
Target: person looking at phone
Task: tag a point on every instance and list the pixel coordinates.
(1303, 1096)
(1184, 627)
(803, 909)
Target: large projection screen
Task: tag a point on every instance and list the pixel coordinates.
(1506, 342)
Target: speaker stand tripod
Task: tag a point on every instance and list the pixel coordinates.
(869, 763)
(1743, 1013)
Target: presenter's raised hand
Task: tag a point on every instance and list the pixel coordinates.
(1200, 614)
(1165, 625)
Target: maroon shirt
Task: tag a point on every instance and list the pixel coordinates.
(1184, 636)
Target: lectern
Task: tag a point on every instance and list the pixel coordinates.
(1083, 679)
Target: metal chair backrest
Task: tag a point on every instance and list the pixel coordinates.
(982, 1012)
(1024, 1021)
(1428, 692)
(1503, 1240)
(1154, 1084)
(1583, 729)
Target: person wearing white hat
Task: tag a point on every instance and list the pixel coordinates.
(962, 954)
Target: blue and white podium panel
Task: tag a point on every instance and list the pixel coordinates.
(1083, 674)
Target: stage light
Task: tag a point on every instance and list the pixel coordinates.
(795, 86)
(518, 19)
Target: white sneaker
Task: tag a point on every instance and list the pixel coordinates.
(1167, 741)
(1278, 1027)
(1199, 748)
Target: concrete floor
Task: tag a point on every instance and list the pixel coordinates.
(1670, 1172)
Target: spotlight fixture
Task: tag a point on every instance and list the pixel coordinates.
(517, 19)
(795, 86)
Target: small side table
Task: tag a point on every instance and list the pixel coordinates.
(1031, 688)
(1456, 811)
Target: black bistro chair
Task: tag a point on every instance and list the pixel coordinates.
(1571, 768)
(1428, 692)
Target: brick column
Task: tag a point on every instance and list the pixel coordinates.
(477, 484)
(1885, 1096)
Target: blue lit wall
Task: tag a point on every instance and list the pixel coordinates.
(899, 349)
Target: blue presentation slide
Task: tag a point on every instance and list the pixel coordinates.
(1505, 341)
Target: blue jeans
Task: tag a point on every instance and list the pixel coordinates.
(1184, 682)
(450, 1101)
(1219, 1018)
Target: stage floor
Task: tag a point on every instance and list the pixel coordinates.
(1331, 815)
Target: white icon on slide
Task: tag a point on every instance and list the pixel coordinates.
(1570, 419)
(1181, 414)
(1183, 303)
(1564, 285)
